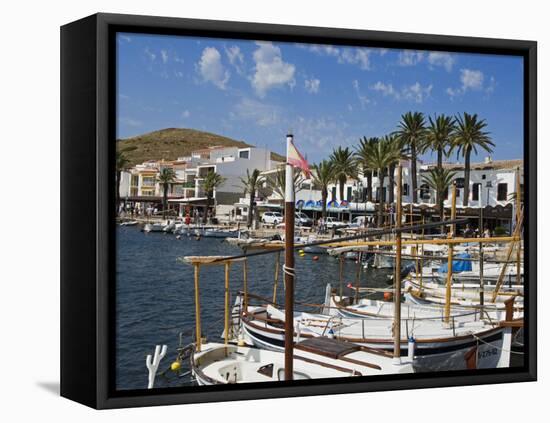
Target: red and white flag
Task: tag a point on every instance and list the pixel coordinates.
(295, 159)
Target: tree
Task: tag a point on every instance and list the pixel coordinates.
(278, 184)
(438, 136)
(212, 181)
(323, 175)
(398, 153)
(412, 131)
(362, 157)
(381, 155)
(470, 136)
(121, 165)
(344, 166)
(165, 178)
(439, 180)
(251, 185)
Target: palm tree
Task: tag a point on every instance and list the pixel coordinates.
(121, 165)
(412, 132)
(438, 136)
(344, 165)
(165, 178)
(323, 175)
(399, 152)
(212, 181)
(362, 157)
(251, 184)
(380, 156)
(468, 137)
(279, 183)
(439, 180)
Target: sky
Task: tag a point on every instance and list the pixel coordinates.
(326, 95)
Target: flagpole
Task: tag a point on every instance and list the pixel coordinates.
(289, 264)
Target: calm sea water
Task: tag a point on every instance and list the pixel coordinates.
(155, 295)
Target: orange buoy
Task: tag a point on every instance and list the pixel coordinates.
(315, 258)
(388, 296)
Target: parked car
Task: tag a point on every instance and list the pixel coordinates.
(272, 218)
(359, 221)
(302, 219)
(332, 223)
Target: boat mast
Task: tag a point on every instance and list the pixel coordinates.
(289, 264)
(518, 223)
(397, 276)
(450, 258)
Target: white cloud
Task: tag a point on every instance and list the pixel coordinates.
(349, 55)
(492, 85)
(164, 56)
(385, 89)
(312, 85)
(236, 58)
(326, 50)
(410, 57)
(185, 114)
(178, 59)
(211, 68)
(126, 38)
(355, 56)
(270, 70)
(471, 80)
(446, 60)
(416, 92)
(261, 113)
(150, 55)
(363, 99)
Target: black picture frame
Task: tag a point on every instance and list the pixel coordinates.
(87, 207)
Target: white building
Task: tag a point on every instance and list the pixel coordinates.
(140, 184)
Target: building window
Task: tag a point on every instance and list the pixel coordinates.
(333, 193)
(476, 188)
(244, 154)
(348, 196)
(502, 192)
(459, 182)
(405, 189)
(446, 194)
(148, 181)
(424, 192)
(483, 177)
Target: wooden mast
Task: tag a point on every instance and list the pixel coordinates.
(289, 265)
(227, 304)
(518, 223)
(397, 276)
(450, 258)
(197, 308)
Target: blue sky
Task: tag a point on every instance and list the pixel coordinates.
(326, 95)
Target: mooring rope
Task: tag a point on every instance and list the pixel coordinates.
(289, 271)
(494, 346)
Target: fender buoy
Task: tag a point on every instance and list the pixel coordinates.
(388, 296)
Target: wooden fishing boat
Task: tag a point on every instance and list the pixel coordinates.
(377, 309)
(437, 345)
(462, 294)
(315, 358)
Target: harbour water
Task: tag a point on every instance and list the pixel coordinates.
(155, 294)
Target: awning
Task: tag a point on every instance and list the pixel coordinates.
(190, 200)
